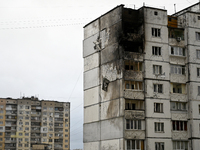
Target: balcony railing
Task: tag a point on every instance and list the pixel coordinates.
(133, 94)
(134, 114)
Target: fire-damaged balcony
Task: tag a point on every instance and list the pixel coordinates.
(133, 70)
(132, 38)
(134, 90)
(176, 34)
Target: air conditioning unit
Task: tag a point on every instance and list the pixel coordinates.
(178, 39)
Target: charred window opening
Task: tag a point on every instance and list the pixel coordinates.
(133, 35)
(105, 84)
(198, 17)
(132, 65)
(155, 13)
(176, 33)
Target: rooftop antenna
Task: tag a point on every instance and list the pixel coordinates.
(143, 4)
(175, 8)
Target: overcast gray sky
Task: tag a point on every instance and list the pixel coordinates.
(41, 48)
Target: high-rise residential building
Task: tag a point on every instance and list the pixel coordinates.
(26, 122)
(142, 80)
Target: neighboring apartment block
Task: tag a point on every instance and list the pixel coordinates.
(142, 80)
(28, 121)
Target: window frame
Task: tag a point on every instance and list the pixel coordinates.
(159, 145)
(177, 51)
(160, 106)
(197, 36)
(156, 32)
(156, 51)
(133, 124)
(158, 88)
(178, 125)
(159, 127)
(177, 69)
(181, 145)
(157, 69)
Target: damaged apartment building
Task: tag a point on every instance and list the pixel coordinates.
(142, 80)
(32, 124)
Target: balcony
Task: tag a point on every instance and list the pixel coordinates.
(35, 124)
(134, 114)
(178, 97)
(35, 129)
(133, 56)
(179, 60)
(133, 75)
(34, 113)
(179, 135)
(133, 94)
(35, 134)
(11, 113)
(11, 108)
(178, 78)
(58, 109)
(179, 115)
(35, 140)
(10, 124)
(134, 134)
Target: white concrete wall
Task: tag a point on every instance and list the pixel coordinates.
(91, 96)
(150, 89)
(91, 113)
(150, 108)
(91, 78)
(149, 70)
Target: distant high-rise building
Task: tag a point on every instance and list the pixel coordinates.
(28, 121)
(142, 80)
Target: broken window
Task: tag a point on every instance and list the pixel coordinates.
(176, 33)
(198, 17)
(178, 106)
(178, 51)
(134, 85)
(157, 69)
(155, 32)
(179, 125)
(159, 146)
(198, 36)
(133, 124)
(155, 13)
(132, 65)
(180, 145)
(177, 69)
(159, 126)
(156, 50)
(158, 88)
(158, 107)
